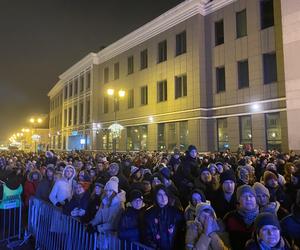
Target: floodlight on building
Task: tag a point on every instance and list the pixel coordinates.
(255, 107)
(151, 119)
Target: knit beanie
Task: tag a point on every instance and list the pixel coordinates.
(259, 188)
(227, 175)
(203, 206)
(135, 194)
(112, 184)
(198, 191)
(264, 219)
(244, 189)
(268, 175)
(192, 147)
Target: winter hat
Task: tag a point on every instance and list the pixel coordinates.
(146, 171)
(227, 175)
(264, 219)
(268, 175)
(134, 170)
(165, 172)
(205, 206)
(176, 151)
(198, 191)
(244, 189)
(99, 184)
(112, 184)
(203, 169)
(192, 147)
(259, 188)
(135, 194)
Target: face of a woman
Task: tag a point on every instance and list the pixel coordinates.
(262, 199)
(270, 235)
(247, 201)
(98, 190)
(162, 198)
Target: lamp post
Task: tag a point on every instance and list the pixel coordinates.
(115, 128)
(34, 122)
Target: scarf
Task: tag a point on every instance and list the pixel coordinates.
(248, 216)
(279, 246)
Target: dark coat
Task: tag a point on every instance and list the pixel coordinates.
(290, 226)
(163, 228)
(80, 202)
(221, 205)
(130, 224)
(239, 232)
(44, 189)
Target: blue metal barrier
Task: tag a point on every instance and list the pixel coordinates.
(54, 230)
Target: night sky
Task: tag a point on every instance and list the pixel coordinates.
(41, 39)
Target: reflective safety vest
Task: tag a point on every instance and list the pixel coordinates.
(11, 197)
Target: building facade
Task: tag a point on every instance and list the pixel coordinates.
(208, 73)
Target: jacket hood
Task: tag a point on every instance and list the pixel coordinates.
(74, 171)
(32, 172)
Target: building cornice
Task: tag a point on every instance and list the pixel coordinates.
(169, 19)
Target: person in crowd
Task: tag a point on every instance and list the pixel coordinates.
(147, 189)
(243, 176)
(240, 222)
(45, 186)
(186, 173)
(135, 179)
(62, 189)
(174, 161)
(31, 184)
(290, 225)
(111, 207)
(77, 206)
(292, 187)
(114, 170)
(131, 220)
(205, 183)
(206, 231)
(267, 234)
(163, 224)
(224, 199)
(197, 196)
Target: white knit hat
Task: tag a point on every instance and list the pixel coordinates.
(112, 184)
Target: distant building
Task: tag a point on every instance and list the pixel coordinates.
(217, 74)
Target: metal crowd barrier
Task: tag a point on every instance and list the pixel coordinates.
(53, 230)
(11, 220)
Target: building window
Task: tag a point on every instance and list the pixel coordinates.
(220, 79)
(75, 114)
(243, 74)
(162, 51)
(81, 83)
(144, 59)
(180, 86)
(183, 135)
(245, 123)
(162, 93)
(172, 136)
(116, 104)
(75, 86)
(161, 142)
(105, 104)
(88, 110)
(144, 95)
(130, 65)
(181, 43)
(106, 75)
(270, 68)
(70, 117)
(130, 98)
(66, 92)
(266, 13)
(273, 130)
(222, 134)
(70, 89)
(241, 23)
(88, 80)
(116, 71)
(81, 113)
(65, 117)
(137, 138)
(219, 32)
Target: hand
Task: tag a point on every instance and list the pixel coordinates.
(75, 212)
(81, 212)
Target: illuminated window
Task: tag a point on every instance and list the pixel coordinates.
(161, 141)
(223, 140)
(273, 131)
(245, 130)
(137, 138)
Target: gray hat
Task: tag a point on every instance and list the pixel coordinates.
(244, 189)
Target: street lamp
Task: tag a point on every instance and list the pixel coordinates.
(115, 128)
(35, 138)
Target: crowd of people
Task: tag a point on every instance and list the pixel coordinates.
(178, 200)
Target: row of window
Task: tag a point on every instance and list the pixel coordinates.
(273, 131)
(76, 115)
(78, 85)
(266, 20)
(55, 121)
(269, 73)
(162, 93)
(56, 102)
(162, 56)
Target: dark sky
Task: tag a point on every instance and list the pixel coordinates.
(41, 39)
